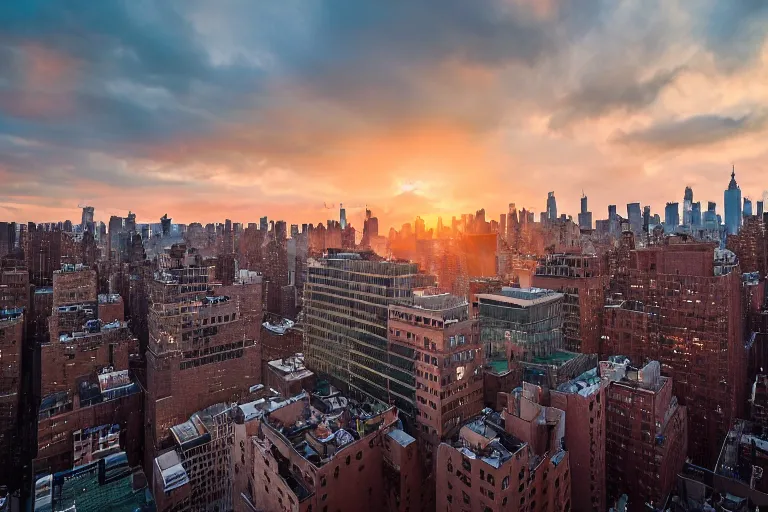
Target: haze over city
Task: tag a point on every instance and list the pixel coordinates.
(254, 108)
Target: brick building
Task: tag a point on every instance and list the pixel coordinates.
(437, 333)
(200, 463)
(647, 434)
(14, 287)
(11, 341)
(489, 469)
(203, 346)
(321, 452)
(682, 306)
(582, 281)
(583, 399)
(103, 415)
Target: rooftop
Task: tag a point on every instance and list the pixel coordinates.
(484, 438)
(71, 267)
(109, 298)
(197, 430)
(327, 422)
(106, 484)
(745, 447)
(400, 437)
(522, 297)
(92, 331)
(585, 384)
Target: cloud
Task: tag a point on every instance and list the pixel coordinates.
(613, 90)
(692, 132)
(733, 31)
(131, 102)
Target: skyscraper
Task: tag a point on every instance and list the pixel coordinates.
(760, 209)
(585, 216)
(687, 206)
(671, 217)
(696, 214)
(342, 216)
(613, 219)
(747, 207)
(732, 199)
(87, 220)
(710, 217)
(551, 207)
(635, 217)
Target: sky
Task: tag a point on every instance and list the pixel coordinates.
(240, 108)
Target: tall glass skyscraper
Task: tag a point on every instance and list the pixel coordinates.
(551, 206)
(732, 206)
(671, 217)
(687, 206)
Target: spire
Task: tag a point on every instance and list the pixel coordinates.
(732, 185)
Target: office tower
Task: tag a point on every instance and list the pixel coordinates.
(86, 223)
(263, 224)
(696, 214)
(646, 219)
(294, 230)
(513, 223)
(710, 217)
(671, 217)
(420, 228)
(345, 306)
(342, 216)
(732, 199)
(642, 418)
(635, 217)
(585, 216)
(203, 344)
(698, 334)
(503, 225)
(551, 207)
(130, 222)
(436, 330)
(760, 209)
(687, 206)
(165, 224)
(747, 207)
(583, 282)
(7, 237)
(613, 219)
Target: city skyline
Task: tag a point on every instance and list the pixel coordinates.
(192, 112)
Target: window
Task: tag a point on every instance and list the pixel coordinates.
(359, 456)
(348, 460)
(505, 483)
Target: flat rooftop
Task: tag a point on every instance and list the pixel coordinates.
(521, 297)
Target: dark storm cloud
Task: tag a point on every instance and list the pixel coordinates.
(610, 92)
(692, 131)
